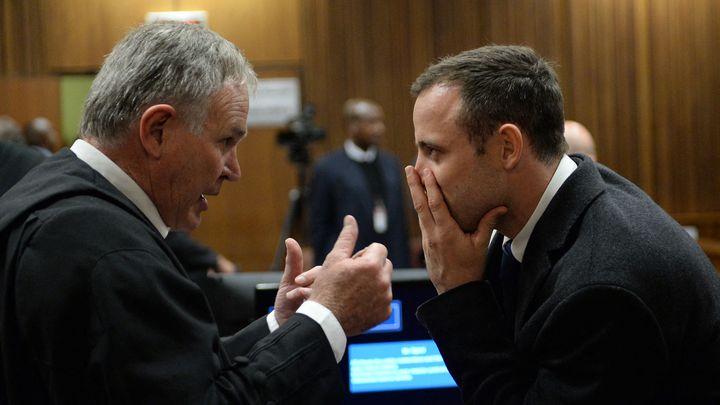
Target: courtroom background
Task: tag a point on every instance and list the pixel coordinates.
(642, 75)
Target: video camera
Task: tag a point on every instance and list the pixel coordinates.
(298, 133)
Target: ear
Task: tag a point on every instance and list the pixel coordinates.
(153, 127)
(513, 145)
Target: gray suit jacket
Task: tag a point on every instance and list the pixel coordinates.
(616, 304)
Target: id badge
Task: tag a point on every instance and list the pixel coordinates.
(380, 220)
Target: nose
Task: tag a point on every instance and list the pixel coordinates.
(231, 170)
(419, 162)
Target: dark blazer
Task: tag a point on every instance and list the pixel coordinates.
(95, 308)
(617, 304)
(193, 255)
(339, 188)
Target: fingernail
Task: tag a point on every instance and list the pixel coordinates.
(301, 279)
(346, 220)
(408, 170)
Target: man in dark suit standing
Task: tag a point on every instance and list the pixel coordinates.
(95, 307)
(363, 181)
(588, 292)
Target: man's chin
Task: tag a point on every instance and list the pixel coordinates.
(190, 224)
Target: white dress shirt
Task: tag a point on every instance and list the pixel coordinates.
(128, 187)
(563, 171)
(357, 154)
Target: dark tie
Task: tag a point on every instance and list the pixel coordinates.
(509, 280)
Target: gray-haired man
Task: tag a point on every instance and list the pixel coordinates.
(96, 309)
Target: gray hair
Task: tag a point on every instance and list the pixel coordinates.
(503, 84)
(163, 62)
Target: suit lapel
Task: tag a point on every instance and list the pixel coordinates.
(553, 234)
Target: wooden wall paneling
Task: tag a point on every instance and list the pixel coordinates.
(421, 39)
(315, 48)
(26, 97)
(580, 71)
(391, 83)
(267, 31)
(21, 26)
(643, 131)
(459, 25)
(674, 103)
(549, 30)
(358, 57)
(704, 131)
(682, 138)
(683, 50)
(605, 84)
(601, 80)
(325, 72)
(81, 33)
(660, 55)
(621, 92)
(410, 55)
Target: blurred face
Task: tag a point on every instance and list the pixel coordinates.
(471, 184)
(369, 129)
(196, 166)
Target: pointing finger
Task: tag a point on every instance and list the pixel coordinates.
(293, 260)
(345, 243)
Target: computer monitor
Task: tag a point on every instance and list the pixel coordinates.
(395, 362)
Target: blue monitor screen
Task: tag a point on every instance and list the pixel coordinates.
(399, 365)
(396, 362)
(394, 321)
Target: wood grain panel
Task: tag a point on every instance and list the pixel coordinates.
(21, 28)
(684, 56)
(81, 33)
(268, 31)
(24, 98)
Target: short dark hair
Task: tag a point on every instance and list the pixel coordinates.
(504, 84)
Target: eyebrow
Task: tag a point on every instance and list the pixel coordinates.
(426, 144)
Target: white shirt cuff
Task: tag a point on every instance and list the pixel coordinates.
(329, 324)
(272, 321)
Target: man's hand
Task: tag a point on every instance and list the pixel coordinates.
(355, 289)
(286, 304)
(452, 257)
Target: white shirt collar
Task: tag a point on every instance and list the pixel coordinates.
(359, 155)
(118, 178)
(563, 171)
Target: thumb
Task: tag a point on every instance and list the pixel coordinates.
(487, 223)
(345, 243)
(293, 261)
